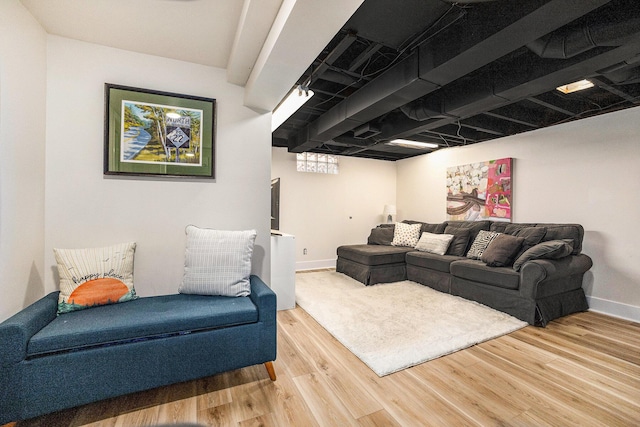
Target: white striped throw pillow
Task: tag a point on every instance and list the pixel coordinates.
(217, 262)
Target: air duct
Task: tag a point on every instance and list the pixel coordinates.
(567, 43)
(420, 110)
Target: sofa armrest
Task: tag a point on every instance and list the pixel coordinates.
(536, 271)
(264, 298)
(16, 331)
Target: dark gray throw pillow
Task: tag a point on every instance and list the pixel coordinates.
(553, 249)
(532, 236)
(502, 250)
(460, 241)
(381, 236)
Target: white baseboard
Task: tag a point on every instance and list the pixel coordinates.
(613, 308)
(315, 265)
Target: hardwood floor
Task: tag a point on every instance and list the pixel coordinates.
(582, 370)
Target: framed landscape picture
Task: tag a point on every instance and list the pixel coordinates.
(156, 133)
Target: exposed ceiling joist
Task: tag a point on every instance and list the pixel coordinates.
(474, 71)
(427, 70)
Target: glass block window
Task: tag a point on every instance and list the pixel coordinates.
(318, 163)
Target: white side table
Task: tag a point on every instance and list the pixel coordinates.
(283, 269)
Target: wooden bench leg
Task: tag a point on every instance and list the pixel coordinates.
(270, 370)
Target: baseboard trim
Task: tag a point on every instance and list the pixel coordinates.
(614, 308)
(315, 265)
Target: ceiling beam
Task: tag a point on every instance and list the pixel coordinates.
(526, 82)
(300, 31)
(601, 84)
(332, 56)
(550, 106)
(364, 56)
(253, 28)
(511, 119)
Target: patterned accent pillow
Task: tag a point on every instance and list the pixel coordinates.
(217, 262)
(406, 234)
(480, 243)
(434, 243)
(96, 276)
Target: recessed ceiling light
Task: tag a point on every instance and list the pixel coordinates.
(575, 86)
(412, 144)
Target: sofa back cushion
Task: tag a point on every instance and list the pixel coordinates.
(553, 231)
(428, 227)
(381, 235)
(575, 232)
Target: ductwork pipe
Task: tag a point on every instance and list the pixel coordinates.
(417, 110)
(564, 44)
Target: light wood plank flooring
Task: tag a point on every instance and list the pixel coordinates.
(582, 370)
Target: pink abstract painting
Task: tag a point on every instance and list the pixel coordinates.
(480, 191)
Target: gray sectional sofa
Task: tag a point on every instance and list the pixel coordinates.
(542, 281)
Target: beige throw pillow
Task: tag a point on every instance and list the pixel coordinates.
(96, 276)
(434, 243)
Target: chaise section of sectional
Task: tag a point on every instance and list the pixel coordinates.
(371, 264)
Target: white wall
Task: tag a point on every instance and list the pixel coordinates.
(86, 209)
(22, 138)
(326, 211)
(586, 172)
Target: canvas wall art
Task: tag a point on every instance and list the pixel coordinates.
(157, 133)
(480, 191)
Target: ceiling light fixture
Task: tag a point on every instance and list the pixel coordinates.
(294, 100)
(412, 144)
(575, 86)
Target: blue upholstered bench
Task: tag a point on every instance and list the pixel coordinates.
(50, 362)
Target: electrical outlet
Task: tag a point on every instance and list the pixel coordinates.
(304, 251)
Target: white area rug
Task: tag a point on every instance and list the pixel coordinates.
(393, 326)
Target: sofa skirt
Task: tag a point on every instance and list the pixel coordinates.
(372, 274)
(434, 279)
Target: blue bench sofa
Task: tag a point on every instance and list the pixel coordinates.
(49, 362)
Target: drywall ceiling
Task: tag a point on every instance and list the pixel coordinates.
(184, 30)
(462, 72)
(264, 44)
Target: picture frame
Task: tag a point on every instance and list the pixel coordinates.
(158, 134)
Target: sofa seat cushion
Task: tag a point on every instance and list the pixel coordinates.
(373, 254)
(477, 271)
(144, 318)
(432, 261)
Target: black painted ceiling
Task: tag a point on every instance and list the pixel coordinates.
(457, 73)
